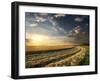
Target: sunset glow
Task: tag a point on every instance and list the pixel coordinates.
(36, 39)
(39, 39)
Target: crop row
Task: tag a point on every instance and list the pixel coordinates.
(70, 61)
(45, 59)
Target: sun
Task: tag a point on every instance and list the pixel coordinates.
(39, 39)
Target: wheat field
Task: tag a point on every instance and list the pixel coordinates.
(56, 57)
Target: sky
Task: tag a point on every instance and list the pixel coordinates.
(57, 28)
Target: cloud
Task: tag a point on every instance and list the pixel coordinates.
(55, 29)
(33, 25)
(53, 22)
(37, 18)
(78, 35)
(51, 17)
(55, 25)
(40, 19)
(43, 14)
(62, 30)
(59, 15)
(76, 32)
(45, 21)
(78, 19)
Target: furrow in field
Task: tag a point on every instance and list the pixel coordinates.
(71, 60)
(49, 58)
(32, 57)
